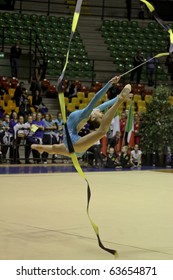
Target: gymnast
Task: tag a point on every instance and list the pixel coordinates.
(94, 116)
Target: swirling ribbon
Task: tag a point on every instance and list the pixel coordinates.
(69, 142)
(160, 21)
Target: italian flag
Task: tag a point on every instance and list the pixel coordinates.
(130, 127)
(116, 123)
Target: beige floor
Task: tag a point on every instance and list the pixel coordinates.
(43, 216)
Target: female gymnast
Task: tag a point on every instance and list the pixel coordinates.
(101, 122)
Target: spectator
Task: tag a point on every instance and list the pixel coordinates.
(95, 155)
(18, 135)
(18, 93)
(151, 67)
(37, 137)
(112, 159)
(48, 138)
(142, 11)
(136, 156)
(113, 91)
(29, 136)
(15, 54)
(34, 116)
(125, 158)
(25, 109)
(37, 100)
(138, 59)
(129, 7)
(59, 125)
(4, 147)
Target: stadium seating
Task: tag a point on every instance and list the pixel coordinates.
(54, 35)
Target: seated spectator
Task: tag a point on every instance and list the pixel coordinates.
(48, 138)
(136, 156)
(36, 137)
(2, 133)
(95, 155)
(18, 92)
(125, 158)
(112, 159)
(10, 135)
(25, 109)
(5, 138)
(37, 100)
(23, 96)
(19, 133)
(59, 125)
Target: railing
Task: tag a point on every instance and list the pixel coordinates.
(35, 49)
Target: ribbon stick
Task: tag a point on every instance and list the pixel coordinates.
(160, 21)
(69, 142)
(156, 56)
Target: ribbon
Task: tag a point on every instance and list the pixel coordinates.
(69, 142)
(160, 21)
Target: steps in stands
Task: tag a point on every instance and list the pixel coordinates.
(89, 29)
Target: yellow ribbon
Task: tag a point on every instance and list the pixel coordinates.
(70, 146)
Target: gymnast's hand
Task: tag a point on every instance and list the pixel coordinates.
(115, 79)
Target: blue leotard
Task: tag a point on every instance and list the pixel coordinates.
(79, 115)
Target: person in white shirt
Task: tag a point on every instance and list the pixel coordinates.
(136, 156)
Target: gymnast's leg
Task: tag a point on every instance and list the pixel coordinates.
(87, 141)
(58, 149)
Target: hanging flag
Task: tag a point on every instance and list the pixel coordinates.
(130, 127)
(116, 123)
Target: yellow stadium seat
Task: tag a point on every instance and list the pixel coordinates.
(148, 98)
(80, 95)
(82, 106)
(6, 97)
(136, 97)
(141, 103)
(66, 100)
(71, 107)
(11, 92)
(75, 101)
(142, 109)
(85, 100)
(11, 104)
(30, 99)
(2, 103)
(91, 95)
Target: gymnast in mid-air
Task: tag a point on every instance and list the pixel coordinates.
(94, 116)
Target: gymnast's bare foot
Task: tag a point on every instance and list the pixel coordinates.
(38, 148)
(125, 93)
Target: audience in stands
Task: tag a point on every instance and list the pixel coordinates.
(37, 100)
(25, 109)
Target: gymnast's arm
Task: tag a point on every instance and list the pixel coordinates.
(85, 113)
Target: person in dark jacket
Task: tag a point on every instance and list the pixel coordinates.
(15, 54)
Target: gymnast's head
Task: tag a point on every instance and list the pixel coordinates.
(95, 119)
